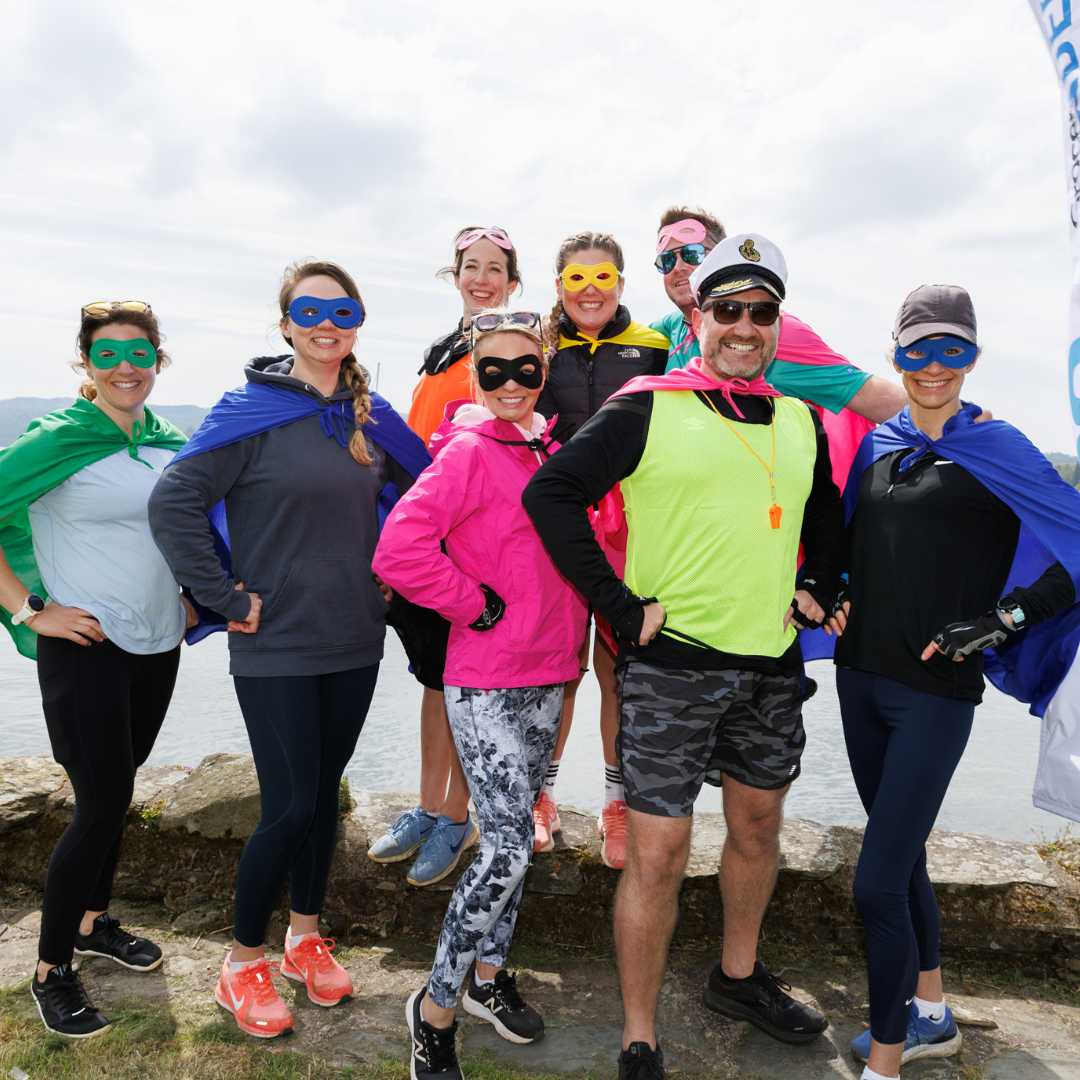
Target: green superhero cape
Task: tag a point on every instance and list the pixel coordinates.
(53, 448)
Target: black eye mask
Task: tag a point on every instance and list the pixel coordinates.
(509, 369)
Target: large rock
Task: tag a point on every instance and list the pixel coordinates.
(26, 786)
(188, 826)
(218, 800)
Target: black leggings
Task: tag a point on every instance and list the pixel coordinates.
(103, 708)
(303, 730)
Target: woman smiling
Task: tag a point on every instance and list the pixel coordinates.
(91, 597)
(460, 542)
(599, 349)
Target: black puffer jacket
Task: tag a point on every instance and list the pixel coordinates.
(585, 372)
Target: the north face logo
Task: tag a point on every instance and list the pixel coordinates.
(630, 353)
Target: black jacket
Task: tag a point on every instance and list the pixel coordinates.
(581, 379)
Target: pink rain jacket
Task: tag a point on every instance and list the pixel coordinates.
(468, 501)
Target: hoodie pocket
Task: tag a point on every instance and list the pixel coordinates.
(324, 604)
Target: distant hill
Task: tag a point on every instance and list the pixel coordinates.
(16, 413)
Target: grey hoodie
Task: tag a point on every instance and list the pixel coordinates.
(302, 517)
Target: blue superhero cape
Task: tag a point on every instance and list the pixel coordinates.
(254, 408)
(1031, 667)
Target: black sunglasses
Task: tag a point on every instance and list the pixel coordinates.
(728, 312)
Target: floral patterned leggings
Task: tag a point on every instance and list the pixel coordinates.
(504, 739)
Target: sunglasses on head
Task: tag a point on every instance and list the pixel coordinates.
(103, 309)
(487, 323)
(493, 233)
(949, 350)
(692, 255)
(729, 312)
(343, 311)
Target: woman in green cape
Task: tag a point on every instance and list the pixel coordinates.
(85, 592)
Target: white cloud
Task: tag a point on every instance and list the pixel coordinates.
(185, 154)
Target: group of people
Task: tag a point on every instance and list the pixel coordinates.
(675, 489)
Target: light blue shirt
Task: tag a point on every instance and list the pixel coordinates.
(93, 547)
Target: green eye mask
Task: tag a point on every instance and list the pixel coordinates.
(107, 354)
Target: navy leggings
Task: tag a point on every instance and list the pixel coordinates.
(303, 731)
(904, 746)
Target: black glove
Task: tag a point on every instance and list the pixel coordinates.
(822, 597)
(842, 597)
(628, 628)
(960, 639)
(493, 611)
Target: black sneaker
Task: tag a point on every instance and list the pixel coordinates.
(500, 1004)
(110, 940)
(641, 1062)
(762, 999)
(433, 1050)
(64, 1007)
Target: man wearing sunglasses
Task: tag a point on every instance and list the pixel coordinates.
(722, 478)
(804, 366)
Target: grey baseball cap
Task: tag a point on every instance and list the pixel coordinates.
(935, 309)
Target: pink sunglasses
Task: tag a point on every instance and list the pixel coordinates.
(492, 232)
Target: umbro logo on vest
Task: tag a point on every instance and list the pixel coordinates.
(630, 353)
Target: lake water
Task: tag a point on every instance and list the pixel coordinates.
(990, 794)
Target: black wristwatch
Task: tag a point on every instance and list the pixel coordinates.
(32, 605)
(493, 611)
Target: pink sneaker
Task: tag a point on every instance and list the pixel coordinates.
(310, 962)
(546, 822)
(613, 825)
(255, 1004)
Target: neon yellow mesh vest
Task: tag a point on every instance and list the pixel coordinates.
(697, 511)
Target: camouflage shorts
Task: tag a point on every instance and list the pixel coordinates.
(679, 728)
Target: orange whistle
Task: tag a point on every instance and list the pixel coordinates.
(775, 514)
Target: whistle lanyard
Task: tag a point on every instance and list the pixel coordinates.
(776, 512)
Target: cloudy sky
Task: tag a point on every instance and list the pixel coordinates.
(184, 154)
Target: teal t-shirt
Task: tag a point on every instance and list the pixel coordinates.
(830, 385)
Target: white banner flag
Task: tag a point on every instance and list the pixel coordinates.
(1062, 33)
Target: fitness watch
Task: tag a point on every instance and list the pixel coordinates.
(32, 605)
(1008, 606)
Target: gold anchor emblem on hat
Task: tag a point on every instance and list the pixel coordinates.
(748, 251)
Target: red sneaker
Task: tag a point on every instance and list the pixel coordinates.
(545, 822)
(255, 1004)
(613, 825)
(311, 963)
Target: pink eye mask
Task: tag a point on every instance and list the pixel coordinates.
(687, 231)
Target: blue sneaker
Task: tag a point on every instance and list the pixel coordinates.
(403, 837)
(442, 850)
(925, 1038)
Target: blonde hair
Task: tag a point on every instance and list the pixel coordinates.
(353, 374)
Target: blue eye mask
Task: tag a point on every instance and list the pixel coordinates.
(343, 311)
(948, 350)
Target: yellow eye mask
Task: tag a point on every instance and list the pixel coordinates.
(578, 276)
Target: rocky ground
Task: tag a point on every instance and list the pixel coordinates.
(1015, 1027)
